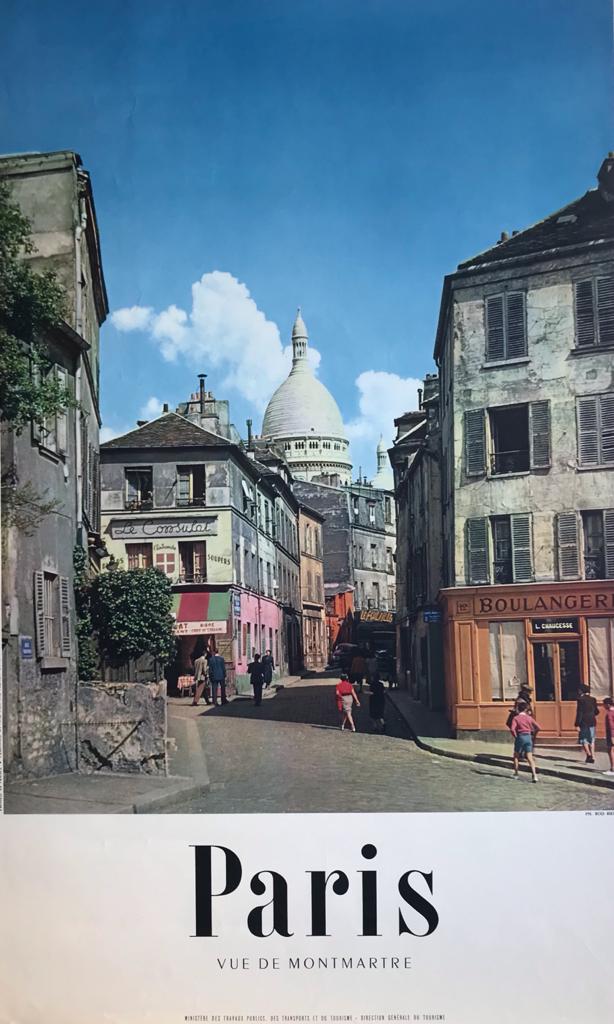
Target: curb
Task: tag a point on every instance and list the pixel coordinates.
(158, 802)
(495, 760)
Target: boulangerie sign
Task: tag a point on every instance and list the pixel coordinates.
(361, 769)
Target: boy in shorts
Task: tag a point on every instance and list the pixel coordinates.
(524, 728)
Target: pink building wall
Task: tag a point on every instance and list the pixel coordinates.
(265, 623)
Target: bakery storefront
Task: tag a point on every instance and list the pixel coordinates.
(553, 637)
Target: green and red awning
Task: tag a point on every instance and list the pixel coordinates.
(200, 612)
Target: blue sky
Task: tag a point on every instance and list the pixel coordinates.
(341, 155)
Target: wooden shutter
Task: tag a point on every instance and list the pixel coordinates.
(495, 333)
(539, 423)
(588, 432)
(605, 310)
(516, 326)
(585, 314)
(608, 536)
(39, 612)
(475, 443)
(567, 543)
(522, 555)
(477, 551)
(606, 418)
(65, 634)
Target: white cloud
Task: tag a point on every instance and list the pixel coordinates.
(151, 409)
(383, 396)
(108, 433)
(225, 331)
(132, 318)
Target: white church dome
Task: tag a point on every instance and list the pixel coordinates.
(302, 405)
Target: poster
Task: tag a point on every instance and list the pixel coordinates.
(307, 482)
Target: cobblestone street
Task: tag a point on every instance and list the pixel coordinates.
(290, 755)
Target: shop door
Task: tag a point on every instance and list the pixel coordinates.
(557, 669)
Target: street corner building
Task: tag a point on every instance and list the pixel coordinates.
(184, 494)
(505, 479)
(53, 465)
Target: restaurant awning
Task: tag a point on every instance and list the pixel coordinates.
(201, 613)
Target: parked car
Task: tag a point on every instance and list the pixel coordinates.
(341, 658)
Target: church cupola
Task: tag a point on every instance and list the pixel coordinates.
(299, 339)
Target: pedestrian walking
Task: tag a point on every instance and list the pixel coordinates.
(346, 698)
(608, 706)
(201, 679)
(268, 665)
(525, 695)
(358, 669)
(587, 710)
(371, 666)
(256, 672)
(217, 677)
(524, 728)
(377, 702)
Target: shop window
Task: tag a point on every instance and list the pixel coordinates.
(139, 488)
(192, 562)
(598, 530)
(166, 562)
(508, 659)
(190, 486)
(601, 656)
(139, 556)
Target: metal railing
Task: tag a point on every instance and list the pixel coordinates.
(509, 462)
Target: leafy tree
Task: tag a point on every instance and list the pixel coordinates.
(88, 657)
(30, 305)
(131, 615)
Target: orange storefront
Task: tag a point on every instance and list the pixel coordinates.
(553, 636)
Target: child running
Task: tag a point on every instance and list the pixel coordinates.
(524, 728)
(346, 697)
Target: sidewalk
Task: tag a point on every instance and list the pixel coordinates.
(109, 793)
(431, 732)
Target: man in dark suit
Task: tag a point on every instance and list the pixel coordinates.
(256, 672)
(268, 665)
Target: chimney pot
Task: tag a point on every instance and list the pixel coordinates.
(504, 236)
(165, 407)
(201, 379)
(141, 423)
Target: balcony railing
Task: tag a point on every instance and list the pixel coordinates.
(594, 566)
(138, 504)
(191, 502)
(503, 571)
(191, 577)
(509, 462)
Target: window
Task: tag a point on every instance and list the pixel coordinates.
(598, 529)
(269, 579)
(595, 416)
(190, 486)
(166, 561)
(508, 659)
(319, 593)
(601, 656)
(139, 488)
(192, 562)
(510, 540)
(248, 641)
(238, 627)
(506, 332)
(372, 513)
(52, 615)
(374, 556)
(314, 444)
(52, 432)
(375, 593)
(388, 509)
(389, 561)
(355, 507)
(519, 439)
(139, 556)
(595, 312)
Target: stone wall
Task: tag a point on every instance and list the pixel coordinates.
(122, 727)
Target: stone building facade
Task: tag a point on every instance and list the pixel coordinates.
(58, 462)
(315, 648)
(221, 525)
(525, 350)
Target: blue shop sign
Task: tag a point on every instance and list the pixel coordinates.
(432, 615)
(26, 647)
(236, 604)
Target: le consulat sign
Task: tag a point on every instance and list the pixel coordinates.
(182, 528)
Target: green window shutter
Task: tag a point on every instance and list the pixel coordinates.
(65, 635)
(539, 422)
(605, 310)
(478, 562)
(606, 417)
(588, 431)
(522, 555)
(608, 535)
(495, 333)
(585, 314)
(567, 543)
(516, 323)
(39, 612)
(475, 443)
